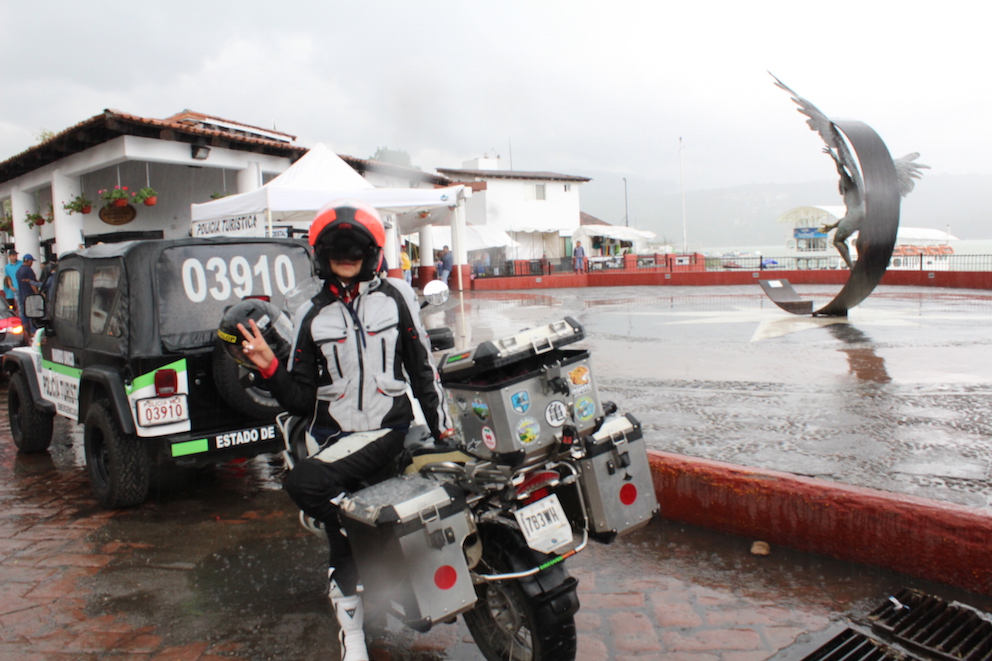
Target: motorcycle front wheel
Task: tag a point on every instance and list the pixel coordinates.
(521, 620)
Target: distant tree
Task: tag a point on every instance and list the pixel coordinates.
(43, 134)
(395, 156)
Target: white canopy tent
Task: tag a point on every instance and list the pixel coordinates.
(812, 216)
(477, 237)
(639, 238)
(293, 198)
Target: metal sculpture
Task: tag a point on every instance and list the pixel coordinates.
(871, 196)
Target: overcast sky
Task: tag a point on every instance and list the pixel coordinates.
(599, 89)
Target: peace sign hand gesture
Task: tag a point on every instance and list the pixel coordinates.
(255, 348)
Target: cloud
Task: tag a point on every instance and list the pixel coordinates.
(580, 87)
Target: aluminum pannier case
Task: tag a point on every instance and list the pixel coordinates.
(511, 398)
(407, 535)
(615, 479)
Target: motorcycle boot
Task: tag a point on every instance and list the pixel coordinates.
(351, 620)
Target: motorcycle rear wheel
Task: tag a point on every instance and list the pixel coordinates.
(506, 623)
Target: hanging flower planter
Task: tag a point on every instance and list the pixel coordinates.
(116, 196)
(146, 195)
(78, 204)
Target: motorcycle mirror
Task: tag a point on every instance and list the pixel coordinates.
(436, 292)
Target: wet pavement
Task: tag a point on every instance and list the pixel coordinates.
(214, 566)
(897, 396)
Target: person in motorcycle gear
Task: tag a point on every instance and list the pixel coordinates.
(357, 345)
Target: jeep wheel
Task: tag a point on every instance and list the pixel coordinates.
(242, 388)
(31, 428)
(119, 464)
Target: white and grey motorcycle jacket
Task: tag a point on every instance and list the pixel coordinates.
(351, 362)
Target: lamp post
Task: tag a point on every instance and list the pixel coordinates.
(626, 218)
(685, 240)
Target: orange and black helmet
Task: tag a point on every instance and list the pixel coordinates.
(347, 230)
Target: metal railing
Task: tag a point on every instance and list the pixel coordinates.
(818, 262)
(682, 263)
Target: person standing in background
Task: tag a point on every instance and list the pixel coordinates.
(447, 264)
(10, 280)
(27, 284)
(579, 257)
(406, 266)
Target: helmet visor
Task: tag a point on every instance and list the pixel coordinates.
(347, 246)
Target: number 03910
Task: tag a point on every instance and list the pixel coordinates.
(220, 278)
(162, 410)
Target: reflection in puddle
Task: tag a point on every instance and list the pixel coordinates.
(862, 361)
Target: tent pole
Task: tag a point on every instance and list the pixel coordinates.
(458, 240)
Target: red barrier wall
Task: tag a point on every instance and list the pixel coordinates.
(916, 536)
(636, 277)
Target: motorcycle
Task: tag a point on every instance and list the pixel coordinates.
(481, 524)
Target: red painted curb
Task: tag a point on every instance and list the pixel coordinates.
(916, 536)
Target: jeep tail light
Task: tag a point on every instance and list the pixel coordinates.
(260, 297)
(12, 325)
(166, 382)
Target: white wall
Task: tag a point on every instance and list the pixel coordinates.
(509, 209)
(135, 162)
(507, 205)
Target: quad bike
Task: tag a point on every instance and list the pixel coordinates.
(481, 526)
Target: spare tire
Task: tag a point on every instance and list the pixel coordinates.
(243, 389)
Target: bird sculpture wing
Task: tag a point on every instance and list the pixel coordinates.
(828, 131)
(907, 170)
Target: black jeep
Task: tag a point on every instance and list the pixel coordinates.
(128, 347)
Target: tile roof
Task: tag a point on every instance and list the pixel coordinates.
(510, 174)
(198, 118)
(589, 219)
(186, 126)
(362, 165)
(111, 124)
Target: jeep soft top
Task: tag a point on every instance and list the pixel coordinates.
(128, 348)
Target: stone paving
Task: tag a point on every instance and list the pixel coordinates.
(663, 592)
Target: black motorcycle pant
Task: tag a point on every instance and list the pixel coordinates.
(342, 466)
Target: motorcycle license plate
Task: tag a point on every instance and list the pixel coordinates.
(544, 525)
(162, 410)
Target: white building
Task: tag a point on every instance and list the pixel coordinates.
(535, 208)
(187, 158)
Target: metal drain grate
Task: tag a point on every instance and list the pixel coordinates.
(930, 625)
(849, 645)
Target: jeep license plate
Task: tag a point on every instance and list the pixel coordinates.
(162, 410)
(544, 524)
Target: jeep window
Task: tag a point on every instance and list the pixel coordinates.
(105, 301)
(67, 297)
(197, 283)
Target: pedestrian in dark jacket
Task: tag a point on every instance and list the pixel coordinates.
(27, 284)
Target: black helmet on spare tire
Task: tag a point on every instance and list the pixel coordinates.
(274, 326)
